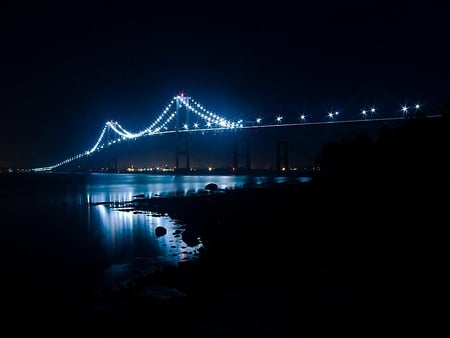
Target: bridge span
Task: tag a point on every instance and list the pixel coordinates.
(184, 120)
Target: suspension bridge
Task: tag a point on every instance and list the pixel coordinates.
(177, 116)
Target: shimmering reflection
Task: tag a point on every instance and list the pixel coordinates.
(53, 237)
(130, 240)
(119, 188)
(128, 237)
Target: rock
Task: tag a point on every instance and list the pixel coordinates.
(160, 231)
(211, 186)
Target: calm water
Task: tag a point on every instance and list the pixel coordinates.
(52, 237)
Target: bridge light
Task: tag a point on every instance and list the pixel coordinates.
(404, 109)
(279, 118)
(373, 110)
(330, 115)
(195, 125)
(364, 113)
(302, 117)
(185, 126)
(417, 106)
(258, 120)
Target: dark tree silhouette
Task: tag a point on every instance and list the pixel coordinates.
(413, 148)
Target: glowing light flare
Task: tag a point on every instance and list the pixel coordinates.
(331, 115)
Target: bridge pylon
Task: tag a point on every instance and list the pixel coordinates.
(111, 164)
(182, 141)
(182, 151)
(282, 158)
(241, 149)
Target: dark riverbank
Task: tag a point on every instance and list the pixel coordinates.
(293, 260)
(264, 267)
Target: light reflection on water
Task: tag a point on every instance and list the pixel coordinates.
(132, 243)
(129, 238)
(119, 188)
(52, 232)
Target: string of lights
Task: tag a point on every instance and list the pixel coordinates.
(211, 121)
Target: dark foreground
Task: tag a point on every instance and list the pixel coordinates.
(318, 259)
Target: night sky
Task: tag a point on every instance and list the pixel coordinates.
(68, 68)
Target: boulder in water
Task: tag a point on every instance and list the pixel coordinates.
(160, 231)
(211, 186)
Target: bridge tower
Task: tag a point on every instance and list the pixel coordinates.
(282, 161)
(182, 142)
(241, 149)
(110, 154)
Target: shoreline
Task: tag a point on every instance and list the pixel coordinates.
(244, 266)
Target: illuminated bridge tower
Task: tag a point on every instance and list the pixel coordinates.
(282, 155)
(110, 155)
(241, 150)
(182, 141)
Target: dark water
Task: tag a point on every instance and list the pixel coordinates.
(53, 240)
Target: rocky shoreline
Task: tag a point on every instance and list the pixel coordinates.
(263, 272)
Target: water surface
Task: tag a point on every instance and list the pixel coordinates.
(53, 236)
